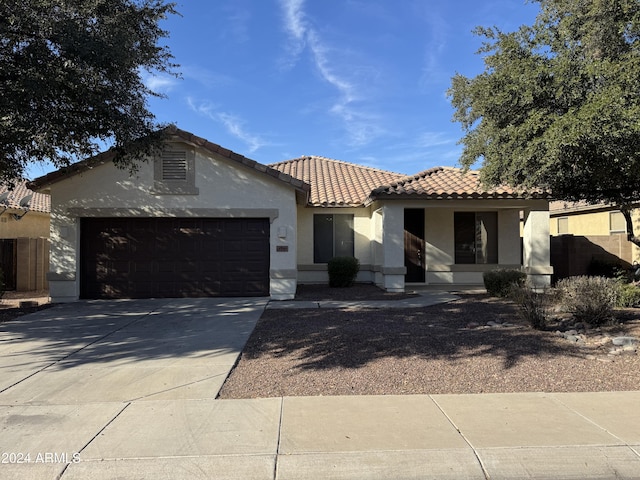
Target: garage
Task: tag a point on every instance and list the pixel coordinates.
(133, 257)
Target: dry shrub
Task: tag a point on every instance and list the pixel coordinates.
(589, 299)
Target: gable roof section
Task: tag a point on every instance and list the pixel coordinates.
(447, 183)
(335, 183)
(39, 202)
(174, 134)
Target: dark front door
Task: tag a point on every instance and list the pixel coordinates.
(174, 257)
(8, 262)
(414, 244)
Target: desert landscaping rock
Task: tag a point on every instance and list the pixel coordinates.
(447, 348)
(624, 341)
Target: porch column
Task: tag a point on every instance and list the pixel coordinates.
(393, 269)
(63, 275)
(536, 257)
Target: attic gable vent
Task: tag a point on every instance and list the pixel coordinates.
(174, 171)
(174, 166)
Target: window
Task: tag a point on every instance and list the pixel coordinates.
(563, 225)
(332, 237)
(617, 223)
(476, 237)
(174, 172)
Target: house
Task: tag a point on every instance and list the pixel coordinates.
(200, 220)
(24, 238)
(587, 235)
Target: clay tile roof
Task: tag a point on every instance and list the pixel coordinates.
(447, 183)
(18, 199)
(335, 183)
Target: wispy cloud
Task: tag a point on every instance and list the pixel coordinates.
(234, 125)
(236, 25)
(429, 140)
(421, 151)
(360, 126)
(295, 25)
(161, 83)
(433, 71)
(204, 76)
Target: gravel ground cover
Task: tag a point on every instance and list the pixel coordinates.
(10, 304)
(447, 348)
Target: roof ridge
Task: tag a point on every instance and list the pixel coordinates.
(415, 176)
(334, 160)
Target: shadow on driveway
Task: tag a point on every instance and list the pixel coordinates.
(127, 333)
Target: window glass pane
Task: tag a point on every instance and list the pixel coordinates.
(322, 238)
(487, 237)
(465, 237)
(343, 235)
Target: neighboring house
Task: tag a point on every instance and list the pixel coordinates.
(200, 220)
(584, 234)
(24, 234)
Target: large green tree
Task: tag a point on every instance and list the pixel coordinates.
(71, 79)
(558, 104)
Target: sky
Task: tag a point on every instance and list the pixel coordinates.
(364, 81)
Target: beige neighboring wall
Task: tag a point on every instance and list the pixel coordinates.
(31, 225)
(594, 221)
(225, 189)
(31, 233)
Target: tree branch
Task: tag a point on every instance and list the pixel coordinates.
(626, 212)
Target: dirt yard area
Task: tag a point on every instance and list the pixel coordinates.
(11, 301)
(473, 345)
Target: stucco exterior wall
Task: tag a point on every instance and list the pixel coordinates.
(31, 225)
(364, 231)
(593, 224)
(596, 223)
(225, 189)
(379, 238)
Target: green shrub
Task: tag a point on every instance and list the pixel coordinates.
(500, 282)
(533, 307)
(589, 299)
(628, 295)
(343, 271)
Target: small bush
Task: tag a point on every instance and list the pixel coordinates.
(589, 299)
(343, 271)
(533, 307)
(628, 295)
(500, 282)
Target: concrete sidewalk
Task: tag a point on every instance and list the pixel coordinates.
(511, 436)
(107, 390)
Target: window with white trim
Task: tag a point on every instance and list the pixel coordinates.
(563, 225)
(617, 222)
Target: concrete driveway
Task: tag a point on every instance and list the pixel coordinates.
(126, 390)
(68, 372)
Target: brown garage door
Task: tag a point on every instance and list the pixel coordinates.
(174, 257)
